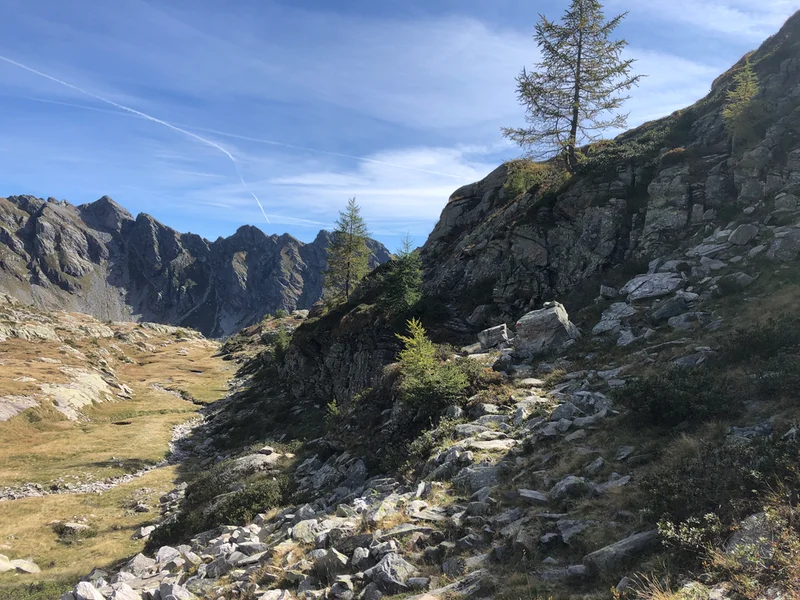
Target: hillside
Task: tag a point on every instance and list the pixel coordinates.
(94, 419)
(98, 259)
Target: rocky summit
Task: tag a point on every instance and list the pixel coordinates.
(98, 259)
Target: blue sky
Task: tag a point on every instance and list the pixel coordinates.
(396, 102)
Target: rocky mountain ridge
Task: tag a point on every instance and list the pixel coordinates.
(98, 259)
(508, 243)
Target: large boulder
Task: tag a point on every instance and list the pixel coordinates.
(545, 330)
(86, 591)
(611, 557)
(391, 574)
(493, 337)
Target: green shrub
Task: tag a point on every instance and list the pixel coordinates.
(677, 394)
(525, 175)
(281, 314)
(281, 343)
(69, 536)
(725, 479)
(208, 505)
(765, 340)
(428, 385)
(41, 590)
(402, 285)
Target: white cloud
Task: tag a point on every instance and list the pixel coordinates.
(754, 19)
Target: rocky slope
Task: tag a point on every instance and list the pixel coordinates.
(98, 259)
(502, 247)
(511, 242)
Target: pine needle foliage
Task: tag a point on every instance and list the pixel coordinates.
(574, 93)
(739, 104)
(348, 254)
(427, 385)
(403, 284)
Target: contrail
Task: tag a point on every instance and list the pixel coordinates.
(144, 116)
(306, 149)
(280, 144)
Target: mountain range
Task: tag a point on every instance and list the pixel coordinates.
(98, 259)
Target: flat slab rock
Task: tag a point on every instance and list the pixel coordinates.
(652, 285)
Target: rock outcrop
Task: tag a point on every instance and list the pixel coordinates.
(498, 252)
(98, 259)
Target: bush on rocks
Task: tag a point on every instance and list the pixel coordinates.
(677, 394)
(428, 385)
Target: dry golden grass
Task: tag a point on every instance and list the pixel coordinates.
(40, 445)
(24, 527)
(45, 450)
(111, 438)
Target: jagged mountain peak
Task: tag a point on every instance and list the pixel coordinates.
(98, 259)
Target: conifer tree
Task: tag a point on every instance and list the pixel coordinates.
(348, 255)
(576, 89)
(403, 287)
(740, 100)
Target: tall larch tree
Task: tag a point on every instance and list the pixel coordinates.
(737, 109)
(574, 92)
(348, 255)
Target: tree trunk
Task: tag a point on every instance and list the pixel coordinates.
(572, 155)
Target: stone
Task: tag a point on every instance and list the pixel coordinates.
(493, 337)
(595, 466)
(328, 563)
(533, 497)
(25, 566)
(624, 452)
(669, 308)
(575, 436)
(643, 287)
(478, 476)
(86, 591)
(361, 559)
(612, 317)
(391, 574)
(276, 595)
(712, 264)
(139, 565)
(743, 234)
(753, 540)
(614, 556)
(626, 338)
(166, 554)
(571, 486)
(545, 330)
(173, 591)
(143, 532)
(567, 410)
(125, 592)
(569, 528)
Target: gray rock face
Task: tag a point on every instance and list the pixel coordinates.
(611, 320)
(743, 234)
(571, 487)
(545, 330)
(654, 285)
(391, 574)
(86, 591)
(492, 337)
(98, 259)
(613, 556)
